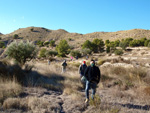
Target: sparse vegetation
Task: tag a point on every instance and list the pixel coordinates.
(2, 44)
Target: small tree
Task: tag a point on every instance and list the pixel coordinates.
(99, 44)
(107, 42)
(108, 49)
(21, 51)
(62, 48)
(89, 45)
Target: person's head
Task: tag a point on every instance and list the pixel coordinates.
(84, 62)
(64, 60)
(92, 63)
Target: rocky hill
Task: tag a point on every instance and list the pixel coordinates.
(40, 33)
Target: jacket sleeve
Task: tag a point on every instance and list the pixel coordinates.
(86, 73)
(79, 70)
(99, 75)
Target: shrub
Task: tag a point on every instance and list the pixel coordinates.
(86, 51)
(146, 43)
(46, 43)
(0, 38)
(32, 29)
(62, 48)
(108, 49)
(21, 51)
(2, 44)
(42, 53)
(51, 53)
(123, 45)
(40, 43)
(107, 42)
(118, 52)
(16, 36)
(52, 43)
(99, 43)
(75, 53)
(87, 44)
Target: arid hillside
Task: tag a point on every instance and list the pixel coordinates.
(39, 33)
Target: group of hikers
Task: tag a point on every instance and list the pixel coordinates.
(89, 75)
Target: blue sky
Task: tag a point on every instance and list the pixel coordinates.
(80, 16)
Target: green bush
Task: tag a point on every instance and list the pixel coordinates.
(51, 53)
(42, 53)
(108, 49)
(2, 44)
(87, 44)
(46, 43)
(21, 51)
(118, 52)
(99, 45)
(40, 43)
(52, 43)
(16, 36)
(75, 53)
(123, 45)
(32, 29)
(62, 48)
(86, 51)
(107, 42)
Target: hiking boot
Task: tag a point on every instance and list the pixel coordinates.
(87, 100)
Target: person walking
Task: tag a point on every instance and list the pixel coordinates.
(82, 69)
(64, 65)
(92, 74)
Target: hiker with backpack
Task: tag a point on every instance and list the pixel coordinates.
(82, 69)
(92, 74)
(64, 65)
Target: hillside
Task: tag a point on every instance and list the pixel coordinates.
(40, 33)
(1, 34)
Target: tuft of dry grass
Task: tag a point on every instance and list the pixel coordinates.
(34, 104)
(9, 88)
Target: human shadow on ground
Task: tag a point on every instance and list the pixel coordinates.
(132, 106)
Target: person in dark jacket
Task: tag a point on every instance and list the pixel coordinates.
(92, 74)
(82, 69)
(64, 65)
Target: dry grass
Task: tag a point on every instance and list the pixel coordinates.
(34, 104)
(9, 88)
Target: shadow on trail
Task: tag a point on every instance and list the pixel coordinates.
(132, 106)
(52, 81)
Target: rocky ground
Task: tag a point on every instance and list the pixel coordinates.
(43, 100)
